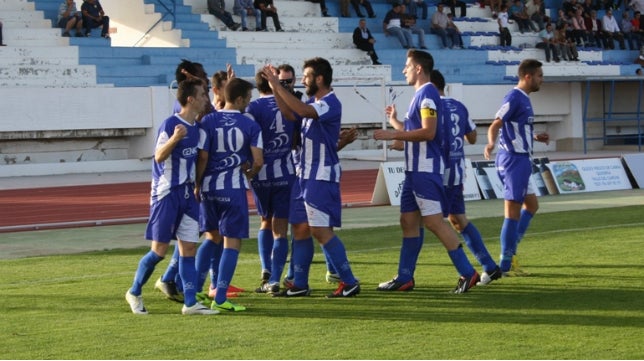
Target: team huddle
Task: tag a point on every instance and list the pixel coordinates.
(286, 150)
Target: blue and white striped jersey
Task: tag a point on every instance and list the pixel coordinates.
(319, 157)
(227, 136)
(458, 123)
(179, 167)
(516, 134)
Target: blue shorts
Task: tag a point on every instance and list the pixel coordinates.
(323, 203)
(174, 217)
(272, 197)
(297, 209)
(514, 171)
(455, 200)
(226, 211)
(423, 192)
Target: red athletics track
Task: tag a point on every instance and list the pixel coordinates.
(76, 206)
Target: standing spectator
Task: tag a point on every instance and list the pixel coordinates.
(365, 4)
(69, 17)
(612, 31)
(453, 4)
(409, 23)
(630, 33)
(462, 127)
(423, 198)
(319, 174)
(513, 160)
(1, 42)
(439, 27)
(174, 210)
(392, 24)
(548, 43)
(517, 13)
(224, 169)
(245, 8)
(217, 8)
(504, 32)
(414, 5)
(93, 17)
(267, 8)
(536, 12)
(364, 41)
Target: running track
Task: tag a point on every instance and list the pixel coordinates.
(77, 206)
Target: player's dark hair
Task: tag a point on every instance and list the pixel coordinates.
(437, 79)
(321, 67)
(235, 88)
(262, 83)
(218, 79)
(195, 69)
(422, 58)
(529, 67)
(188, 88)
(287, 68)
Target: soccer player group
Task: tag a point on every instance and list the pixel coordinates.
(286, 151)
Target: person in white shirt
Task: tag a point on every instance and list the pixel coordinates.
(637, 5)
(612, 31)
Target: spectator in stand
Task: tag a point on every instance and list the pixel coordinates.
(267, 8)
(548, 43)
(569, 7)
(69, 17)
(93, 17)
(413, 5)
(637, 5)
(594, 27)
(567, 47)
(244, 8)
(579, 27)
(453, 4)
(536, 12)
(588, 6)
(637, 25)
(392, 25)
(365, 4)
(409, 23)
(364, 41)
(440, 28)
(495, 7)
(344, 9)
(218, 9)
(1, 42)
(631, 35)
(504, 32)
(562, 20)
(323, 9)
(452, 25)
(611, 31)
(517, 13)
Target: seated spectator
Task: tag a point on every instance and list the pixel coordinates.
(344, 8)
(409, 23)
(569, 7)
(453, 4)
(267, 8)
(595, 34)
(636, 5)
(612, 31)
(536, 12)
(517, 13)
(440, 28)
(640, 58)
(364, 41)
(414, 5)
(452, 25)
(548, 44)
(392, 25)
(244, 8)
(579, 32)
(366, 4)
(323, 9)
(69, 17)
(631, 35)
(638, 26)
(504, 33)
(93, 17)
(1, 42)
(217, 8)
(566, 46)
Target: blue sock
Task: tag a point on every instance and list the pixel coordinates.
(290, 272)
(474, 242)
(265, 247)
(460, 261)
(280, 253)
(214, 263)
(144, 271)
(338, 255)
(189, 276)
(524, 222)
(173, 267)
(329, 265)
(203, 260)
(301, 259)
(508, 243)
(226, 271)
(409, 252)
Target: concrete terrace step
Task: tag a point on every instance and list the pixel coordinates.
(49, 76)
(18, 5)
(285, 8)
(17, 35)
(499, 55)
(297, 56)
(570, 69)
(39, 56)
(17, 15)
(18, 23)
(254, 39)
(308, 25)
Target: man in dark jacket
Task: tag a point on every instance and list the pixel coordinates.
(364, 41)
